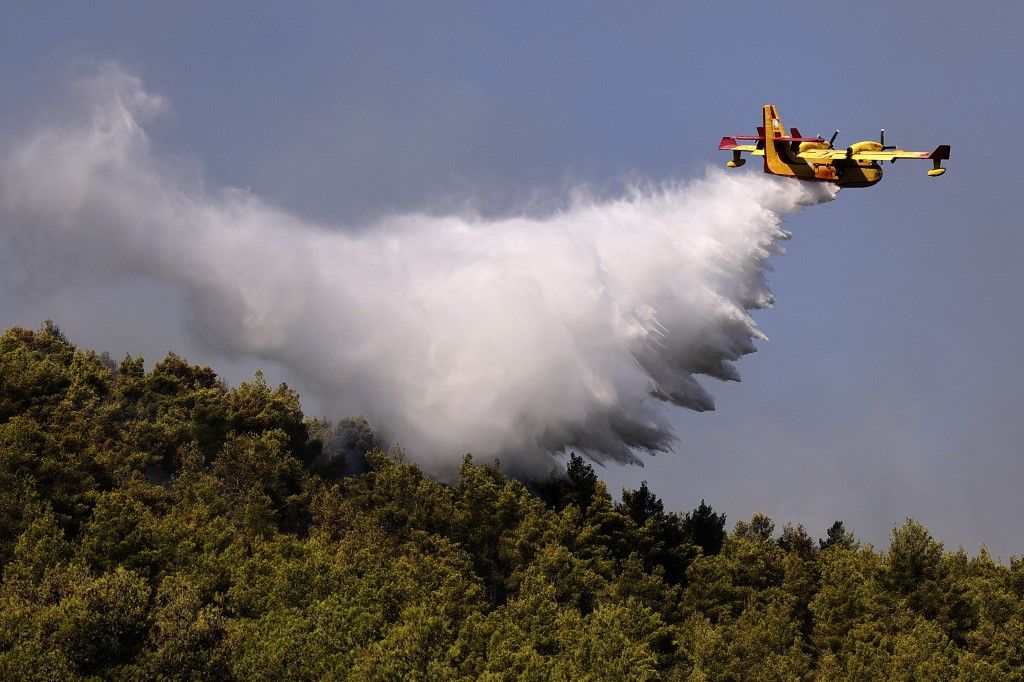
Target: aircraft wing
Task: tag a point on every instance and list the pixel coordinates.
(941, 152)
(730, 142)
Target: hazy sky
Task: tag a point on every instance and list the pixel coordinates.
(891, 383)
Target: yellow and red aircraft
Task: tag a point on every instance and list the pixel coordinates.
(813, 158)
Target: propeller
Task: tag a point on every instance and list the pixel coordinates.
(833, 139)
(881, 139)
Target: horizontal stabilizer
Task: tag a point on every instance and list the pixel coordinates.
(728, 143)
(800, 139)
(778, 139)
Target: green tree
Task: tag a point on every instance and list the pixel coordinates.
(915, 568)
(161, 525)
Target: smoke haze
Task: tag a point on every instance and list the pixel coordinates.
(515, 337)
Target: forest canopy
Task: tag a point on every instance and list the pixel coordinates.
(162, 525)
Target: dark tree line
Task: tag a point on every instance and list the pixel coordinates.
(162, 525)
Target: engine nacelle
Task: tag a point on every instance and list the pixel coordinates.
(813, 145)
(864, 146)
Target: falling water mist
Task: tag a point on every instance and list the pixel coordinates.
(517, 337)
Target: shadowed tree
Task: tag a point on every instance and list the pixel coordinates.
(796, 540)
(837, 536)
(705, 528)
(641, 504)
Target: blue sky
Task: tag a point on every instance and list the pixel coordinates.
(890, 385)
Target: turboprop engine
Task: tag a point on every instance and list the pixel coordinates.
(869, 146)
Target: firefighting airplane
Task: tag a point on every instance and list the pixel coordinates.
(813, 158)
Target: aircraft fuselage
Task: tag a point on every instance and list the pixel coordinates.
(815, 165)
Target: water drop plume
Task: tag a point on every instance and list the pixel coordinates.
(514, 337)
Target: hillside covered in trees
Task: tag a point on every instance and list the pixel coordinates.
(162, 525)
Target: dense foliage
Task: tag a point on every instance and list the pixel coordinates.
(163, 525)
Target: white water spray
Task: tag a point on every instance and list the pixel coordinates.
(515, 337)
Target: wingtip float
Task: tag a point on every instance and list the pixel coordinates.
(814, 159)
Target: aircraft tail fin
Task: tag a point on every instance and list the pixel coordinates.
(772, 122)
(772, 128)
